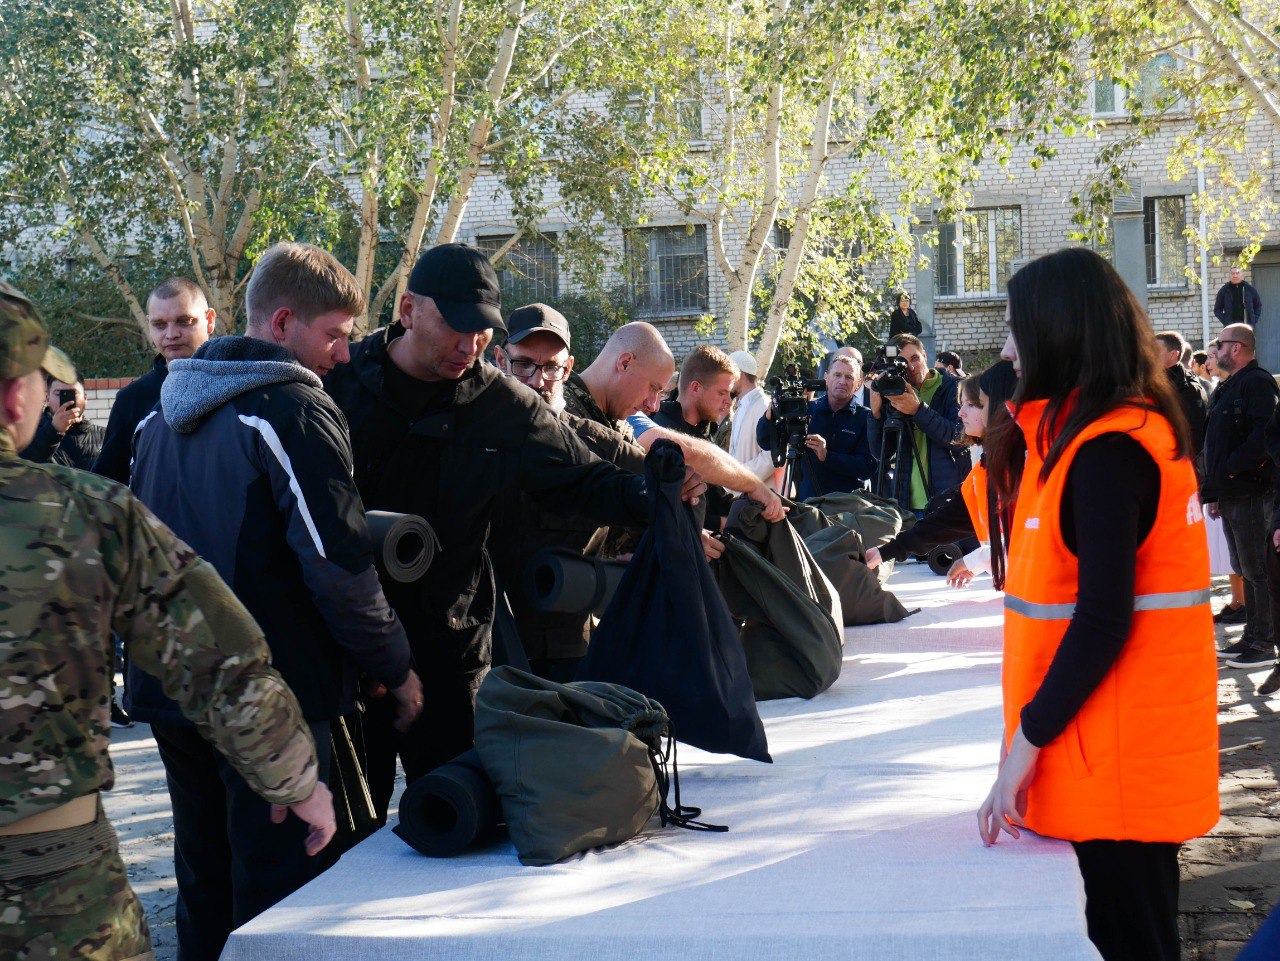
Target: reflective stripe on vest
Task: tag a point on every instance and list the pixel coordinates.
(1142, 602)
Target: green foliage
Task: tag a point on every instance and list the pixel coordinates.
(84, 311)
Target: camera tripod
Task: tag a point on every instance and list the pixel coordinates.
(886, 471)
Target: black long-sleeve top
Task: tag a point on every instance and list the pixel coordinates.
(948, 523)
(1108, 509)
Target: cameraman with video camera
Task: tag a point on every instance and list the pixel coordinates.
(833, 454)
(922, 407)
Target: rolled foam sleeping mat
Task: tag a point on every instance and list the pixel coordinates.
(568, 582)
(942, 557)
(404, 545)
(447, 811)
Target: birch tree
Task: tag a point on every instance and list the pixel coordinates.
(124, 124)
(424, 99)
(834, 123)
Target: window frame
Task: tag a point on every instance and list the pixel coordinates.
(640, 272)
(512, 290)
(994, 288)
(1152, 252)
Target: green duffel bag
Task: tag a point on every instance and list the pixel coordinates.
(804, 518)
(577, 765)
(791, 622)
(863, 598)
(877, 520)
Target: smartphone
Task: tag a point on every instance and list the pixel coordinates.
(66, 396)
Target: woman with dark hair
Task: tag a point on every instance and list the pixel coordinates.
(903, 320)
(961, 514)
(1110, 685)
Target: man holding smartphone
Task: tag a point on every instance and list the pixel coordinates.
(65, 436)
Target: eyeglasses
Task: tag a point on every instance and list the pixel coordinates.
(526, 368)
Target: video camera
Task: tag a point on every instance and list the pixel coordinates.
(888, 373)
(790, 413)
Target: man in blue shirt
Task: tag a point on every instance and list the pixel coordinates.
(837, 454)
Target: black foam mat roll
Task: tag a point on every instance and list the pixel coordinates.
(565, 581)
(404, 545)
(450, 809)
(942, 557)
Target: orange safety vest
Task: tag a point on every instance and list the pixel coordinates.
(1140, 760)
(974, 491)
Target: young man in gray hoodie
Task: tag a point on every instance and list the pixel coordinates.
(249, 462)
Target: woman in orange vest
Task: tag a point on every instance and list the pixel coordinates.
(961, 513)
(1109, 676)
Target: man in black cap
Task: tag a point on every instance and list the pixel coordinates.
(437, 432)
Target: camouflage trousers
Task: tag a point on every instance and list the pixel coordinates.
(64, 896)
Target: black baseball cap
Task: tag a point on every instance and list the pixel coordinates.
(463, 285)
(535, 319)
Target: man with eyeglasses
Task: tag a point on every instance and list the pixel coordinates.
(1238, 483)
(537, 355)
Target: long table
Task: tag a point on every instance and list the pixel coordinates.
(859, 842)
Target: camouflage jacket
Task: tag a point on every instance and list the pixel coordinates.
(579, 402)
(81, 558)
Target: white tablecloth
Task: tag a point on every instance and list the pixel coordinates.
(860, 841)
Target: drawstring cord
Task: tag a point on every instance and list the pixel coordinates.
(679, 815)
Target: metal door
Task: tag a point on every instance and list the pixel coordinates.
(1266, 277)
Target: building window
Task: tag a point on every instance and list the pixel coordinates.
(976, 252)
(1112, 99)
(529, 272)
(668, 267)
(1164, 222)
(684, 111)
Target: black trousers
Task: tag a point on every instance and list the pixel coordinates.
(451, 665)
(231, 862)
(1131, 891)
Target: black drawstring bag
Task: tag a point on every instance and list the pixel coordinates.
(668, 634)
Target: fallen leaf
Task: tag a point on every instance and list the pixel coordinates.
(1243, 905)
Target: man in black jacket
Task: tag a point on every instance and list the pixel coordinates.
(933, 461)
(1195, 403)
(64, 436)
(1238, 301)
(179, 321)
(1238, 482)
(439, 433)
(249, 462)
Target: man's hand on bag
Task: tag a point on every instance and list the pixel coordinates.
(711, 546)
(773, 511)
(694, 486)
(874, 559)
(408, 701)
(317, 811)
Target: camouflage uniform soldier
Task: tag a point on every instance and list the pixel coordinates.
(79, 559)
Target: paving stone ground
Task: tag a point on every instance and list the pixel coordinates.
(1230, 878)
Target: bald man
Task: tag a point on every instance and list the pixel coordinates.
(1238, 482)
(628, 377)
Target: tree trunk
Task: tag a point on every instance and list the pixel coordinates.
(817, 167)
(483, 125)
